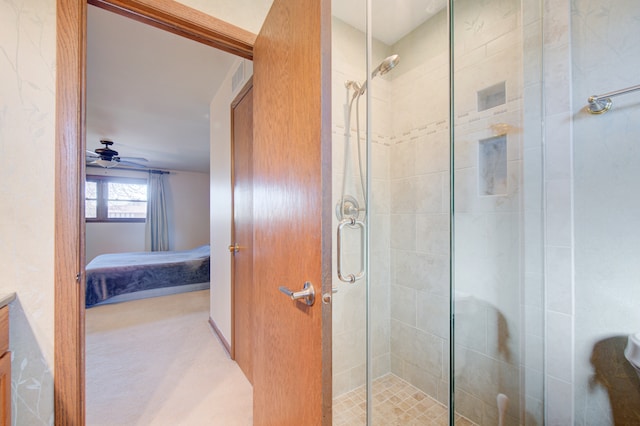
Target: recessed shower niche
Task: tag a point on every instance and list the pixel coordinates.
(492, 96)
(492, 166)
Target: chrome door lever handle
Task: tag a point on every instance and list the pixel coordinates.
(307, 294)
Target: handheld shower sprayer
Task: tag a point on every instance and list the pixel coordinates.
(348, 210)
(348, 206)
(352, 85)
(384, 67)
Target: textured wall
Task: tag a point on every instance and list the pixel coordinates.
(27, 79)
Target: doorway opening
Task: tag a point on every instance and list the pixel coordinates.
(70, 175)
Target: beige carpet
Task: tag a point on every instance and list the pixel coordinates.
(157, 362)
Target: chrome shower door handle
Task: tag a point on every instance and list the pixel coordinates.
(353, 223)
(307, 294)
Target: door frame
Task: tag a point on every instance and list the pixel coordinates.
(69, 226)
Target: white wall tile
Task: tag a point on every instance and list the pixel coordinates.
(403, 304)
(559, 346)
(558, 214)
(559, 279)
(559, 402)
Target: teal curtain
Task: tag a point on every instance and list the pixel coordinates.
(157, 229)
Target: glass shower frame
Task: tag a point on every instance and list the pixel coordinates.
(530, 205)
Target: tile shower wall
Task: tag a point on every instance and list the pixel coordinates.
(605, 57)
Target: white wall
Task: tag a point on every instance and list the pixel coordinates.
(220, 190)
(187, 210)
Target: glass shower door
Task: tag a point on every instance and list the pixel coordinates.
(497, 211)
(349, 335)
(391, 166)
(443, 269)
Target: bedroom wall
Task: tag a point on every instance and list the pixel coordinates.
(188, 211)
(113, 238)
(220, 187)
(189, 198)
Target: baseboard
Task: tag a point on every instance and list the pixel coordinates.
(220, 337)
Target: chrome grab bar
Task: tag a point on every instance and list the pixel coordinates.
(599, 104)
(352, 223)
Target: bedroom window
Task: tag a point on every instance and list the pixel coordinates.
(115, 199)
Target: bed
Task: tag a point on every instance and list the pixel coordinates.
(125, 276)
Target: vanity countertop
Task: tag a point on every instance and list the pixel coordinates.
(6, 298)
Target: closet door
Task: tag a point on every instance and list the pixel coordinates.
(242, 244)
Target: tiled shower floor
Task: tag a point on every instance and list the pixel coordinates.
(395, 402)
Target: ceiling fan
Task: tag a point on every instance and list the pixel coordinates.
(107, 157)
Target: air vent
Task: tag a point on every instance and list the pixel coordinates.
(238, 78)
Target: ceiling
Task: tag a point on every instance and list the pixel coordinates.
(149, 90)
(390, 19)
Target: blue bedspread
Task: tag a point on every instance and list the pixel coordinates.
(111, 275)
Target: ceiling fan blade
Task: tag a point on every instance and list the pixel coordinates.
(134, 159)
(131, 164)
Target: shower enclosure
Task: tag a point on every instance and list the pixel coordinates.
(438, 310)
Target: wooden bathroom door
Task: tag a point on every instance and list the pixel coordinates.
(292, 214)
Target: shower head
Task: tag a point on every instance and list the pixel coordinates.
(350, 84)
(385, 66)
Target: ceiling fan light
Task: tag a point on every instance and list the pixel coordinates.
(106, 163)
